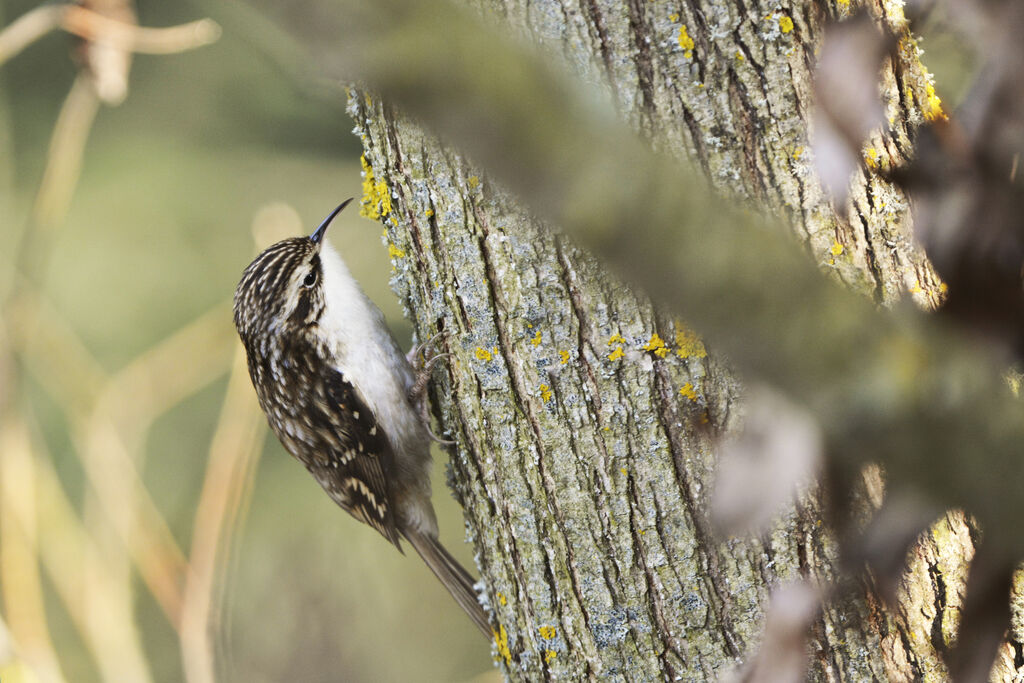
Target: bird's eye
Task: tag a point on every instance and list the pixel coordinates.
(310, 279)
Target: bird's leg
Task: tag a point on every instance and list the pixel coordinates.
(418, 391)
(413, 356)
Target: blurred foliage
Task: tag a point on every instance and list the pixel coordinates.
(157, 234)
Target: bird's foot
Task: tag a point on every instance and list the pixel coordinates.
(418, 391)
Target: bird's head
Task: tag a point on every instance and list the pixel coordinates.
(282, 289)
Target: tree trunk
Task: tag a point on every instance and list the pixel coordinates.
(585, 419)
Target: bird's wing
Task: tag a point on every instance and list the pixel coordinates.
(358, 455)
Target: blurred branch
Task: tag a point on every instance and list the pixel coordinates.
(104, 79)
(889, 385)
(97, 601)
(52, 352)
(20, 582)
(28, 28)
(87, 557)
(234, 451)
(93, 26)
(64, 161)
(110, 420)
(165, 374)
(159, 41)
(115, 481)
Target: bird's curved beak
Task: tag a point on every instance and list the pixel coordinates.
(318, 234)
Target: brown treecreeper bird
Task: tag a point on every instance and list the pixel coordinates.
(336, 390)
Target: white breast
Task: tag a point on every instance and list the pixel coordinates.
(367, 355)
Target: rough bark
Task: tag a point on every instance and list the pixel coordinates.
(584, 419)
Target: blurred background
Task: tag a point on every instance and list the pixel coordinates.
(150, 527)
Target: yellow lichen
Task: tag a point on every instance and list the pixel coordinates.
(871, 156)
(943, 288)
(916, 288)
(549, 655)
(502, 599)
(673, 18)
(429, 213)
(564, 355)
(785, 24)
(376, 202)
(624, 470)
(798, 153)
(547, 632)
(1013, 379)
(836, 249)
(483, 354)
(616, 339)
(656, 345)
(536, 339)
(501, 639)
(739, 56)
(394, 252)
(685, 41)
(616, 354)
(545, 393)
(474, 181)
(688, 344)
(688, 392)
(933, 105)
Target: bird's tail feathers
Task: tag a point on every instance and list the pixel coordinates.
(453, 575)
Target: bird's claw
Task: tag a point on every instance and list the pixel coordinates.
(418, 391)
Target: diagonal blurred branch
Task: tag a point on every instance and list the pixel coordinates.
(234, 451)
(88, 557)
(28, 28)
(158, 41)
(64, 164)
(110, 421)
(20, 582)
(98, 603)
(165, 374)
(90, 25)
